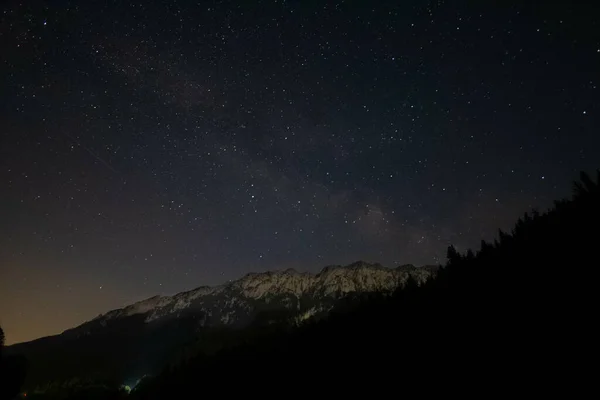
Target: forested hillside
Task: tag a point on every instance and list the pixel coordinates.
(515, 316)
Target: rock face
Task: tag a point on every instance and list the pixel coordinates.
(237, 302)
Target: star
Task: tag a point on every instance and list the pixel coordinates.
(178, 150)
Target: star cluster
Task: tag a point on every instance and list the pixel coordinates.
(155, 147)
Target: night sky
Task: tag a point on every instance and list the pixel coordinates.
(155, 147)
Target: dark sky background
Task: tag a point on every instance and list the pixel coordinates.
(155, 147)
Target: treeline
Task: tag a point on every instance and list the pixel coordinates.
(515, 317)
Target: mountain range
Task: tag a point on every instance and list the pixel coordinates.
(145, 336)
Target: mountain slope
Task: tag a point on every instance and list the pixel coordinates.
(514, 317)
(143, 336)
(236, 303)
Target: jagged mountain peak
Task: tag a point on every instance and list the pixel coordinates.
(236, 298)
(139, 307)
(148, 329)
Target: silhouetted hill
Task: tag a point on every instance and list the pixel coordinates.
(515, 318)
(125, 344)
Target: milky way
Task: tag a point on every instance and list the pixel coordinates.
(149, 149)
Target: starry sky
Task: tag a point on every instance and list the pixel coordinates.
(152, 147)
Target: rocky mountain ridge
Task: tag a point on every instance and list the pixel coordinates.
(236, 302)
(143, 337)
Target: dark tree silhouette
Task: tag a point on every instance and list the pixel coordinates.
(12, 372)
(586, 186)
(1, 342)
(452, 255)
